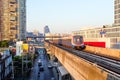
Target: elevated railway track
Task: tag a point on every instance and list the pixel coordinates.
(107, 63)
(110, 66)
(106, 52)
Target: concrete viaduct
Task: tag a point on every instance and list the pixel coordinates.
(79, 68)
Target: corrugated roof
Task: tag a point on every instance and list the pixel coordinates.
(62, 70)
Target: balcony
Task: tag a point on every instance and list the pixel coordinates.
(13, 28)
(13, 18)
(12, 1)
(12, 9)
(13, 23)
(13, 14)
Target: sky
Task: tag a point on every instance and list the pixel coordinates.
(65, 16)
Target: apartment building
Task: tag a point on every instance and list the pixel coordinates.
(117, 12)
(1, 16)
(13, 19)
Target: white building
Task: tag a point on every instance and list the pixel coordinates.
(109, 35)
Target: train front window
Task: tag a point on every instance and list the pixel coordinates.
(81, 39)
(77, 39)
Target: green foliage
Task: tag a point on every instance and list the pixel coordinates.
(11, 43)
(35, 56)
(30, 64)
(17, 61)
(24, 41)
(4, 43)
(27, 65)
(48, 56)
(17, 58)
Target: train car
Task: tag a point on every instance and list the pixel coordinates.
(98, 42)
(75, 42)
(106, 37)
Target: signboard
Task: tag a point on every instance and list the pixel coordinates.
(103, 33)
(25, 47)
(19, 49)
(31, 49)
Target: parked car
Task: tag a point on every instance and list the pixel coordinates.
(39, 62)
(50, 66)
(38, 75)
(38, 72)
(52, 78)
(41, 68)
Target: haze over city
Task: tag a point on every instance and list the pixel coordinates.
(59, 39)
(68, 15)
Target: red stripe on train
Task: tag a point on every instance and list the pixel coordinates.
(96, 44)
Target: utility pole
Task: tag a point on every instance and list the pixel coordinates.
(12, 70)
(26, 63)
(22, 65)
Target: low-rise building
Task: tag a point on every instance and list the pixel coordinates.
(6, 67)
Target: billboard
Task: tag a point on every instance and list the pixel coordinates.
(25, 47)
(19, 49)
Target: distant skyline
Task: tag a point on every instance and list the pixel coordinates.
(63, 16)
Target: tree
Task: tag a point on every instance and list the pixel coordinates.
(4, 43)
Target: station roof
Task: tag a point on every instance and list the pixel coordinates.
(62, 70)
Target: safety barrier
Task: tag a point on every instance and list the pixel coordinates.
(112, 53)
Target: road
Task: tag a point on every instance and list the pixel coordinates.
(46, 74)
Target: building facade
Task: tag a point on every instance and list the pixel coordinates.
(5, 27)
(22, 19)
(6, 66)
(110, 35)
(46, 30)
(1, 16)
(117, 12)
(107, 34)
(13, 20)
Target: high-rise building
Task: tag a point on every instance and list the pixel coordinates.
(116, 12)
(1, 16)
(22, 19)
(13, 19)
(46, 30)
